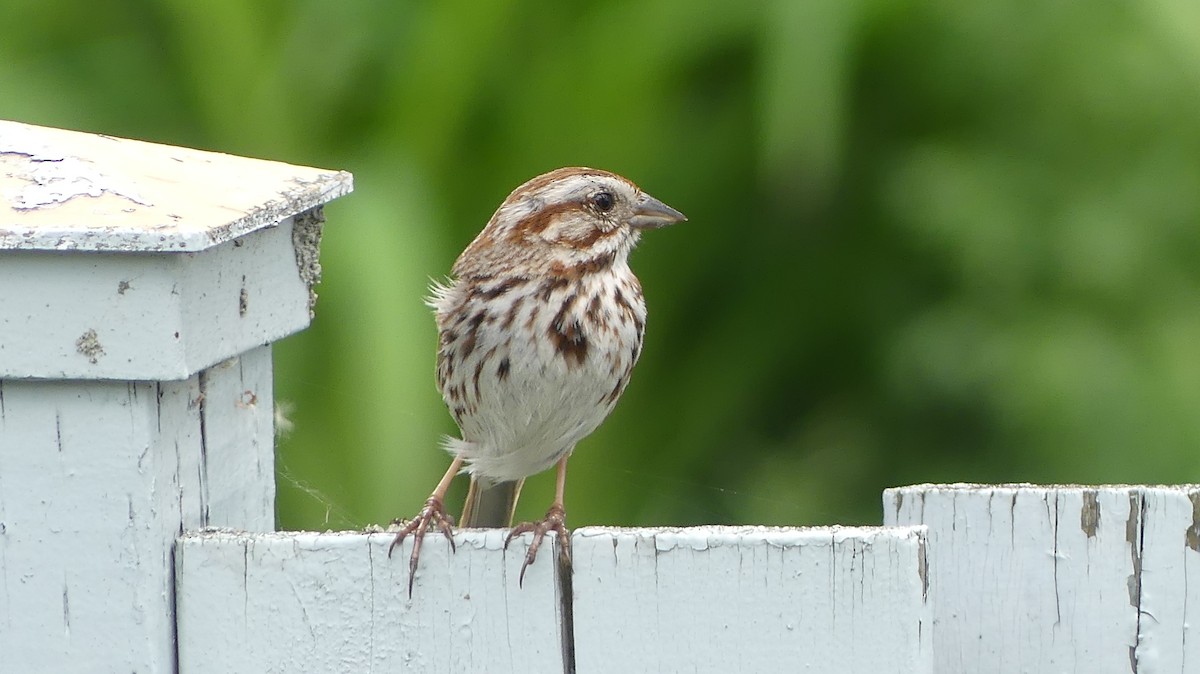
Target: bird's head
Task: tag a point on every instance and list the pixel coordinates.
(564, 218)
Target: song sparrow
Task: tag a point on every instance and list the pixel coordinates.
(538, 332)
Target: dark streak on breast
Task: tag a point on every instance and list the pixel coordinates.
(512, 313)
(595, 309)
(616, 392)
(619, 298)
(567, 335)
(556, 283)
(444, 368)
(475, 378)
(472, 335)
(500, 288)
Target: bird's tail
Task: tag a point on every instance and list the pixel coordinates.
(491, 506)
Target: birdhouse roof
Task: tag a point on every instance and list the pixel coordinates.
(68, 190)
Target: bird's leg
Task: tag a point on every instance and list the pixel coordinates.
(432, 514)
(555, 520)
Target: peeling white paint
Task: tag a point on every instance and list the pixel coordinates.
(56, 181)
(1060, 578)
(135, 389)
(704, 599)
(67, 190)
(97, 480)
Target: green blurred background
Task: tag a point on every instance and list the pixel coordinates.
(930, 240)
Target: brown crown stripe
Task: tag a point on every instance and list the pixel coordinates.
(541, 182)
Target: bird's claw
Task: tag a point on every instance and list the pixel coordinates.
(432, 514)
(556, 521)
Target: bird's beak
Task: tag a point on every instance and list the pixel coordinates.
(650, 213)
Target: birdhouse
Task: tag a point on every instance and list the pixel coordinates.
(141, 288)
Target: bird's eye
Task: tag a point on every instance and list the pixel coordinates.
(603, 201)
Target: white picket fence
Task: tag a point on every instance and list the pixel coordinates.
(142, 287)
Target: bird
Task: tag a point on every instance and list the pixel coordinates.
(539, 328)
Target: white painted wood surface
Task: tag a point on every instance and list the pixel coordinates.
(709, 599)
(68, 190)
(1027, 578)
(207, 261)
(140, 288)
(97, 478)
(750, 599)
(147, 317)
(302, 602)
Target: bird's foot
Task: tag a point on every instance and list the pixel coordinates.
(432, 514)
(556, 521)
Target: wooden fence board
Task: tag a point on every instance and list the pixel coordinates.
(1059, 578)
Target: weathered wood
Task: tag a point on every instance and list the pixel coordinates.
(302, 602)
(645, 600)
(72, 191)
(750, 599)
(138, 262)
(141, 287)
(97, 478)
(146, 317)
(1027, 578)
